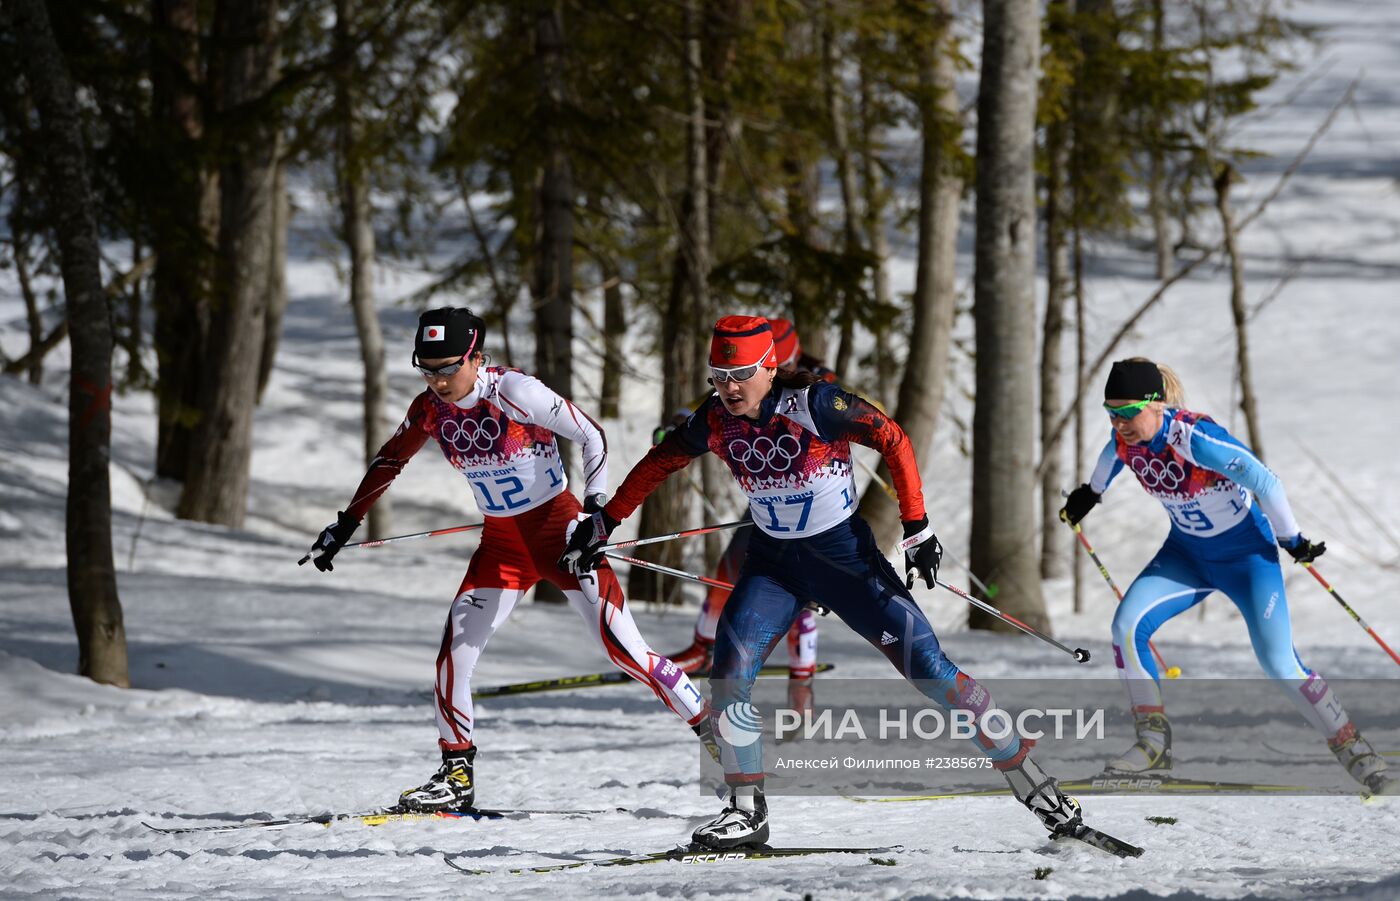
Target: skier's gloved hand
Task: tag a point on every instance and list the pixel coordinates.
(1077, 506)
(332, 539)
(585, 545)
(922, 553)
(1301, 549)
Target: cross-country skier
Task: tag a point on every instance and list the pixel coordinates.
(497, 426)
(1220, 540)
(802, 637)
(786, 439)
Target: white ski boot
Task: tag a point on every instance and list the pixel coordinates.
(743, 822)
(1152, 752)
(1058, 812)
(452, 788)
(1360, 760)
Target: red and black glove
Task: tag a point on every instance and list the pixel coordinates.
(332, 539)
(922, 553)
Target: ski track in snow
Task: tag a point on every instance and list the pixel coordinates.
(264, 690)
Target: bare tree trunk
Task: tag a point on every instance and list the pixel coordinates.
(1157, 165)
(185, 220)
(1081, 360)
(846, 177)
(924, 385)
(277, 276)
(1058, 210)
(1004, 549)
(92, 584)
(357, 230)
(554, 275)
(1225, 177)
(32, 314)
(216, 485)
(875, 197)
(614, 330)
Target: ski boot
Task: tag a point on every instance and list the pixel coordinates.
(1152, 752)
(697, 657)
(451, 790)
(1041, 794)
(1362, 762)
(744, 822)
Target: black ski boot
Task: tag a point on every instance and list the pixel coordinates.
(451, 790)
(744, 822)
(1058, 812)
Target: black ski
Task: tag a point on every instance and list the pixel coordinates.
(685, 854)
(1101, 840)
(372, 818)
(589, 680)
(1110, 784)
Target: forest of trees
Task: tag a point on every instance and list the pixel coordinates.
(669, 162)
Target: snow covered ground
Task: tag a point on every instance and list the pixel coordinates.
(264, 689)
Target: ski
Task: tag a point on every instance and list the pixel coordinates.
(372, 818)
(1101, 840)
(614, 677)
(685, 854)
(1107, 785)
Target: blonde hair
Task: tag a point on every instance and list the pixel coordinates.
(1174, 394)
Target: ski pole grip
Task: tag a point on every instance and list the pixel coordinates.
(1081, 655)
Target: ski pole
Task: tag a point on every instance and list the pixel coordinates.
(670, 571)
(687, 533)
(378, 541)
(1172, 672)
(1347, 607)
(1079, 654)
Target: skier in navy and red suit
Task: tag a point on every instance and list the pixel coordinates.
(786, 439)
(497, 427)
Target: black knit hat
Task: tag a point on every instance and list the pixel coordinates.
(448, 332)
(1134, 380)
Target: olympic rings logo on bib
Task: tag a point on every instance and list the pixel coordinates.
(470, 435)
(765, 453)
(1154, 473)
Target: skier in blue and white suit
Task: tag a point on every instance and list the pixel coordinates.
(1220, 540)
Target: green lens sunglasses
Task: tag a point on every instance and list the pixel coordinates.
(1128, 411)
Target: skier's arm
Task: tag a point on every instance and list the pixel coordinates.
(525, 398)
(1214, 448)
(1106, 467)
(839, 413)
(391, 458)
(674, 453)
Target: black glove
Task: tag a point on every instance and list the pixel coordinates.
(922, 553)
(1077, 506)
(1302, 550)
(332, 539)
(585, 545)
(594, 503)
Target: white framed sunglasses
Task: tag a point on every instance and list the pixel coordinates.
(738, 374)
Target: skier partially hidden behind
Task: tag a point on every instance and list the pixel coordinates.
(497, 427)
(802, 637)
(786, 439)
(1220, 540)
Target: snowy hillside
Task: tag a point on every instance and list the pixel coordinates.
(263, 689)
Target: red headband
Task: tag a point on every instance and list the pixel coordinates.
(743, 341)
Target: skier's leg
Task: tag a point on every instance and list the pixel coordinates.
(753, 622)
(845, 569)
(802, 660)
(1170, 584)
(1255, 583)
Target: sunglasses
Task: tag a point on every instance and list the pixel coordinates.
(1128, 411)
(741, 374)
(445, 371)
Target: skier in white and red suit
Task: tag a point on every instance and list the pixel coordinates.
(497, 427)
